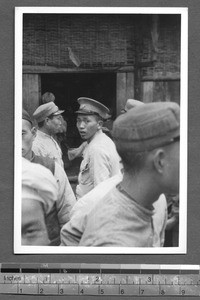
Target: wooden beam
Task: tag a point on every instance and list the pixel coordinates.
(28, 69)
(129, 85)
(31, 92)
(121, 92)
(168, 77)
(147, 91)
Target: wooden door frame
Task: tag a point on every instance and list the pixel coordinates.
(125, 86)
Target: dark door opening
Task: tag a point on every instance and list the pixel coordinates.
(67, 88)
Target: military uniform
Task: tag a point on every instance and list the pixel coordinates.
(44, 143)
(100, 158)
(100, 162)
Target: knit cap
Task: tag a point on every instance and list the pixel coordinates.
(148, 126)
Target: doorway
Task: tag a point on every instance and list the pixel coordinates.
(67, 88)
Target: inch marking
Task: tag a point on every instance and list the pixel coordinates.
(118, 280)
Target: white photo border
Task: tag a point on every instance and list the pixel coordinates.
(182, 248)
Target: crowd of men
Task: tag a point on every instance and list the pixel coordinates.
(124, 181)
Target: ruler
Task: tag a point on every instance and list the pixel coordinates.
(100, 279)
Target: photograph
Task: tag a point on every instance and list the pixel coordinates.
(101, 108)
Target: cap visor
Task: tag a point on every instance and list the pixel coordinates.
(84, 112)
(59, 112)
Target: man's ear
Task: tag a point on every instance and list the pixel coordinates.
(46, 120)
(159, 160)
(34, 131)
(100, 124)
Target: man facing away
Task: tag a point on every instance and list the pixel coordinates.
(59, 215)
(100, 158)
(147, 140)
(49, 124)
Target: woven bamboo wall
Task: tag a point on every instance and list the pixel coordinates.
(96, 40)
(101, 41)
(165, 51)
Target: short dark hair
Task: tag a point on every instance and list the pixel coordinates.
(99, 118)
(26, 116)
(132, 161)
(41, 124)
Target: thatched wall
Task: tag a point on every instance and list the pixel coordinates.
(95, 41)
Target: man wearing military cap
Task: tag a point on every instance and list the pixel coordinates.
(49, 123)
(100, 158)
(59, 214)
(147, 140)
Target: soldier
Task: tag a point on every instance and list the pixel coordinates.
(100, 158)
(49, 124)
(61, 135)
(59, 214)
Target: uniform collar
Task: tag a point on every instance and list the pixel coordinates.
(96, 135)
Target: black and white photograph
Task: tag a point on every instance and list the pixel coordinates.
(101, 97)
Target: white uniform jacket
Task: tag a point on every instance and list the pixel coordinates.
(100, 162)
(46, 145)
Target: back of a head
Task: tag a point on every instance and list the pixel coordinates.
(48, 97)
(26, 116)
(146, 127)
(131, 103)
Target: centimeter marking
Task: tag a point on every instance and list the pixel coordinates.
(100, 279)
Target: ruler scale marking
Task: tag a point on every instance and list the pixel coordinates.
(97, 279)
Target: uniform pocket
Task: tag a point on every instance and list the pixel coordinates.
(85, 173)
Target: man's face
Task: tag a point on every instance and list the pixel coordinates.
(33, 229)
(54, 124)
(87, 126)
(63, 127)
(28, 135)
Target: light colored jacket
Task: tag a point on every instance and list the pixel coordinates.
(66, 197)
(46, 145)
(118, 221)
(100, 162)
(72, 232)
(60, 214)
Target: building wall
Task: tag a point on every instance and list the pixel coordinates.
(142, 50)
(91, 41)
(158, 51)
